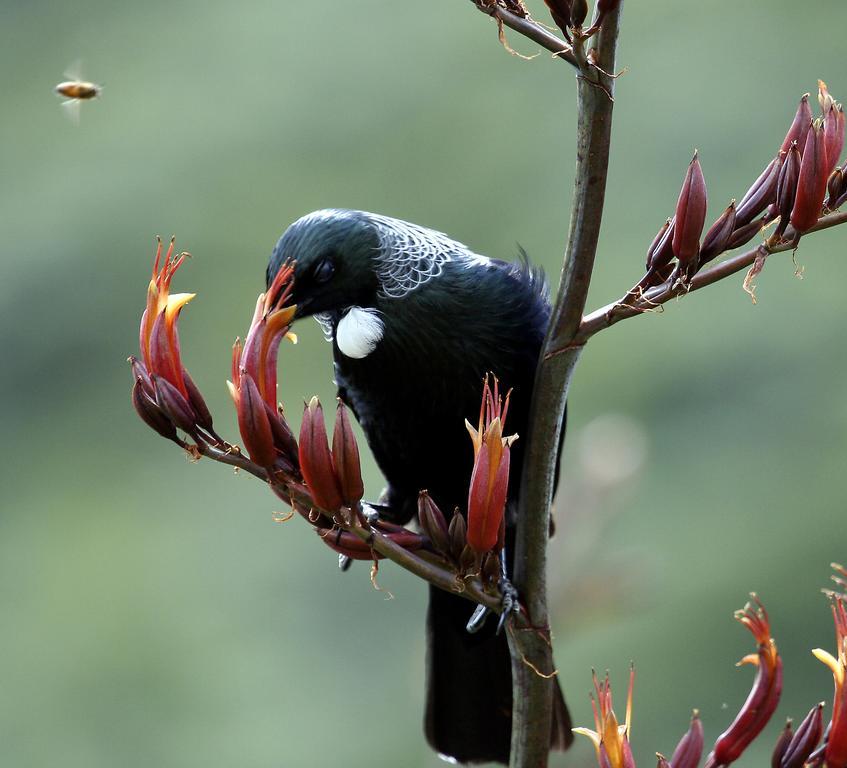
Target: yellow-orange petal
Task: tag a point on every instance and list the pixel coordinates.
(827, 658)
(593, 735)
(174, 304)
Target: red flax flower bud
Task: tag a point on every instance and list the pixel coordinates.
(833, 131)
(799, 127)
(253, 423)
(316, 461)
(345, 458)
(782, 744)
(786, 188)
(690, 748)
(836, 747)
(490, 477)
(433, 523)
(150, 412)
(611, 741)
(690, 217)
(762, 192)
(804, 740)
(716, 239)
(811, 186)
(560, 10)
(764, 695)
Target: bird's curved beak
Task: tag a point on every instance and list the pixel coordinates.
(302, 309)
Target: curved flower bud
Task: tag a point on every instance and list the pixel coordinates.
(835, 755)
(804, 740)
(690, 217)
(151, 414)
(345, 458)
(764, 695)
(660, 252)
(811, 185)
(762, 192)
(253, 423)
(716, 239)
(833, 132)
(786, 188)
(316, 460)
(433, 523)
(781, 745)
(799, 127)
(690, 748)
(458, 533)
(560, 10)
(172, 402)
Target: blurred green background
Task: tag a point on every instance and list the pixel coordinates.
(153, 614)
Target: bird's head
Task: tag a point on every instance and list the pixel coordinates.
(334, 252)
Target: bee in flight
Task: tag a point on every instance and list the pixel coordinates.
(76, 90)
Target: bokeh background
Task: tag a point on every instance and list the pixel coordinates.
(153, 614)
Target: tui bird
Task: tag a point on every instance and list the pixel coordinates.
(416, 319)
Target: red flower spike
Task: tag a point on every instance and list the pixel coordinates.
(811, 185)
(764, 695)
(151, 414)
(158, 337)
(611, 740)
(717, 237)
(786, 188)
(690, 216)
(489, 483)
(805, 740)
(316, 460)
(345, 458)
(662, 761)
(690, 748)
(824, 98)
(172, 402)
(761, 194)
(253, 423)
(781, 745)
(433, 523)
(799, 127)
(835, 755)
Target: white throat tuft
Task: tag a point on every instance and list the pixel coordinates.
(359, 331)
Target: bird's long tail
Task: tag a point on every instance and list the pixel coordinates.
(469, 687)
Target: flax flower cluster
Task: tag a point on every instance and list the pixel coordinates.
(322, 481)
(811, 745)
(800, 184)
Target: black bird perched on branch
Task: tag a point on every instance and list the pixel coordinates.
(416, 320)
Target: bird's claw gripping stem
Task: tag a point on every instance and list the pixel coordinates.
(508, 602)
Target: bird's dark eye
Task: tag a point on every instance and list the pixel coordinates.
(324, 270)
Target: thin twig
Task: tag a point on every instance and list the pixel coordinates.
(532, 694)
(529, 29)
